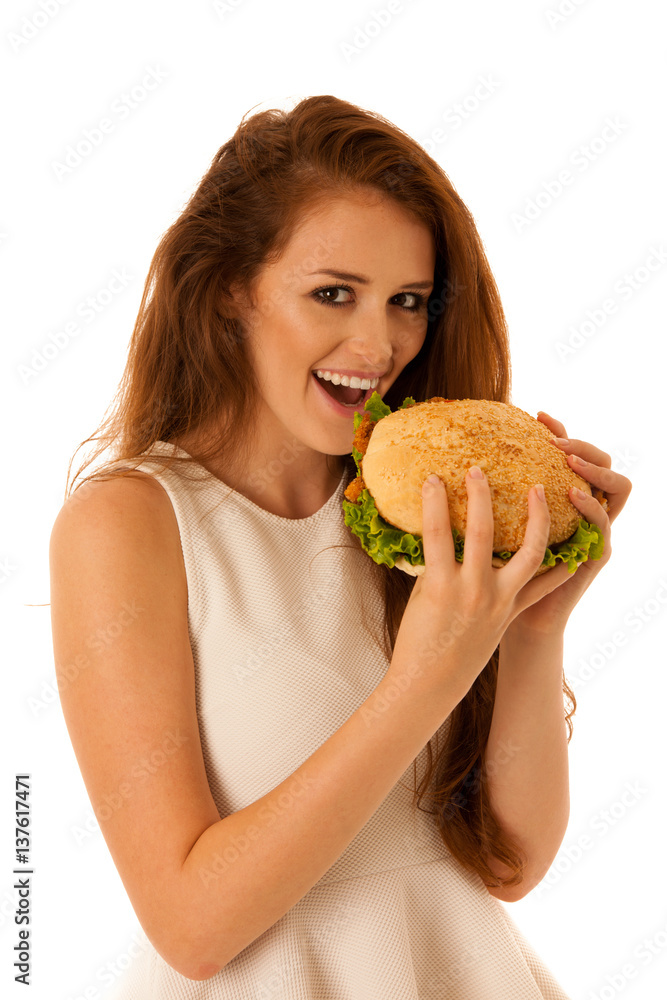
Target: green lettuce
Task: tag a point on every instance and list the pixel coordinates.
(384, 543)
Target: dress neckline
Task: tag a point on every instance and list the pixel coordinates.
(334, 500)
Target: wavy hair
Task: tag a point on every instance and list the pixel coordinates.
(187, 363)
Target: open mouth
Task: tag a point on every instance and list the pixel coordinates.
(344, 394)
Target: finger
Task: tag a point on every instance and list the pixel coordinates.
(616, 487)
(544, 584)
(525, 563)
(585, 450)
(437, 537)
(553, 424)
(599, 475)
(478, 545)
(594, 513)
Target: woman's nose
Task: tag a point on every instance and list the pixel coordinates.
(374, 346)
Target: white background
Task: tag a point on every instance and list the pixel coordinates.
(553, 81)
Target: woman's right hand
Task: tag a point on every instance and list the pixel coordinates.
(457, 612)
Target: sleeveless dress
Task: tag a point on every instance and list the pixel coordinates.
(282, 659)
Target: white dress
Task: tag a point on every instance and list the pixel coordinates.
(282, 659)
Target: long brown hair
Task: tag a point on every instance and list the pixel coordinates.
(187, 363)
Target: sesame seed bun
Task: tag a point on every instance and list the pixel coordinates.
(446, 437)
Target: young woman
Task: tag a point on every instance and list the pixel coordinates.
(248, 736)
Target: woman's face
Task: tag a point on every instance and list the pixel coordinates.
(302, 323)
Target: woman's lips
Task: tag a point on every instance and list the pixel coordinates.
(341, 408)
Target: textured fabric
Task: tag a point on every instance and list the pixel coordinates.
(282, 659)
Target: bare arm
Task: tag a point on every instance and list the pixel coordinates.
(526, 754)
(202, 887)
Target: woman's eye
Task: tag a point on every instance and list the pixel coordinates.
(334, 289)
(417, 300)
(323, 295)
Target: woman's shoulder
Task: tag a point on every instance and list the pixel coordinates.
(132, 512)
(127, 488)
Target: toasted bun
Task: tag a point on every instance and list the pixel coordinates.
(512, 447)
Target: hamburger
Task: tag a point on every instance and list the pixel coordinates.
(395, 452)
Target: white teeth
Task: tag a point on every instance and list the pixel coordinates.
(352, 380)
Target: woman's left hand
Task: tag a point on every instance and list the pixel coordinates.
(550, 614)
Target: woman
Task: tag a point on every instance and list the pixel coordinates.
(246, 737)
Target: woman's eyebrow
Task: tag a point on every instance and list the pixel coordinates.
(345, 276)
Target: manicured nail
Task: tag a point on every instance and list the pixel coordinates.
(539, 489)
(577, 460)
(432, 481)
(579, 494)
(560, 441)
(475, 472)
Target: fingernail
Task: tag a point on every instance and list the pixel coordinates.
(539, 489)
(579, 493)
(475, 472)
(577, 460)
(560, 441)
(432, 481)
